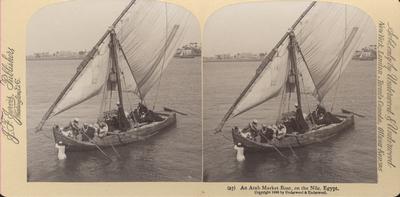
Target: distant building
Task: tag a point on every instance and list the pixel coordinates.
(366, 53)
(190, 50)
(223, 56)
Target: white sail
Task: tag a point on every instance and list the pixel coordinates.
(128, 80)
(328, 36)
(89, 83)
(268, 84)
(149, 34)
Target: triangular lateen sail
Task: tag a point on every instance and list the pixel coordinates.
(148, 35)
(328, 36)
(89, 83)
(325, 53)
(260, 70)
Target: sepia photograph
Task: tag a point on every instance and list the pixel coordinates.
(113, 92)
(289, 93)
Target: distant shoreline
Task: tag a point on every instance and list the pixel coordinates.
(68, 58)
(54, 58)
(232, 60)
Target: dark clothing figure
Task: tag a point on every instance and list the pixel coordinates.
(153, 117)
(88, 132)
(269, 134)
(330, 119)
(321, 117)
(112, 122)
(321, 111)
(123, 123)
(301, 123)
(74, 126)
(143, 115)
(142, 109)
(290, 125)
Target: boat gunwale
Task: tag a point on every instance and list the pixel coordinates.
(70, 142)
(237, 136)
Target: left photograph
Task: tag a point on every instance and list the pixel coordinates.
(113, 92)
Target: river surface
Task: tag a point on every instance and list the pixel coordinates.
(347, 158)
(174, 155)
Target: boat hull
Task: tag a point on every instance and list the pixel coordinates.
(116, 139)
(290, 141)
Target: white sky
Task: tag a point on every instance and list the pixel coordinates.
(254, 27)
(247, 27)
(78, 24)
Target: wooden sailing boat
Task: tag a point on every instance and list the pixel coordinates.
(309, 60)
(128, 59)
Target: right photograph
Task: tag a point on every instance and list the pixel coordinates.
(289, 93)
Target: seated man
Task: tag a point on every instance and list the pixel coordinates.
(74, 127)
(88, 132)
(154, 116)
(320, 110)
(330, 119)
(252, 128)
(142, 109)
(269, 134)
(103, 129)
(143, 114)
(301, 123)
(67, 132)
(281, 131)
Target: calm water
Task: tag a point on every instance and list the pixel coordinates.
(349, 157)
(174, 155)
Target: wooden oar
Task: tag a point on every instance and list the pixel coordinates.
(350, 112)
(293, 151)
(97, 146)
(273, 146)
(172, 110)
(116, 152)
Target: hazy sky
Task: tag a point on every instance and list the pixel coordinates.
(254, 27)
(246, 27)
(78, 24)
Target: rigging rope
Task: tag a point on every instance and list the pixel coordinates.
(342, 58)
(283, 98)
(131, 103)
(104, 99)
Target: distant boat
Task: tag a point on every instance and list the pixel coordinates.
(129, 60)
(189, 51)
(365, 54)
(312, 57)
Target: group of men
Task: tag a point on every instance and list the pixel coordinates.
(296, 122)
(85, 133)
(265, 133)
(112, 121)
(143, 115)
(321, 117)
(121, 120)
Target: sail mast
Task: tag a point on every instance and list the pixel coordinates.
(262, 66)
(123, 121)
(81, 67)
(293, 65)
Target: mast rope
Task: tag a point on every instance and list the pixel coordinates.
(129, 97)
(165, 51)
(283, 98)
(307, 101)
(342, 58)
